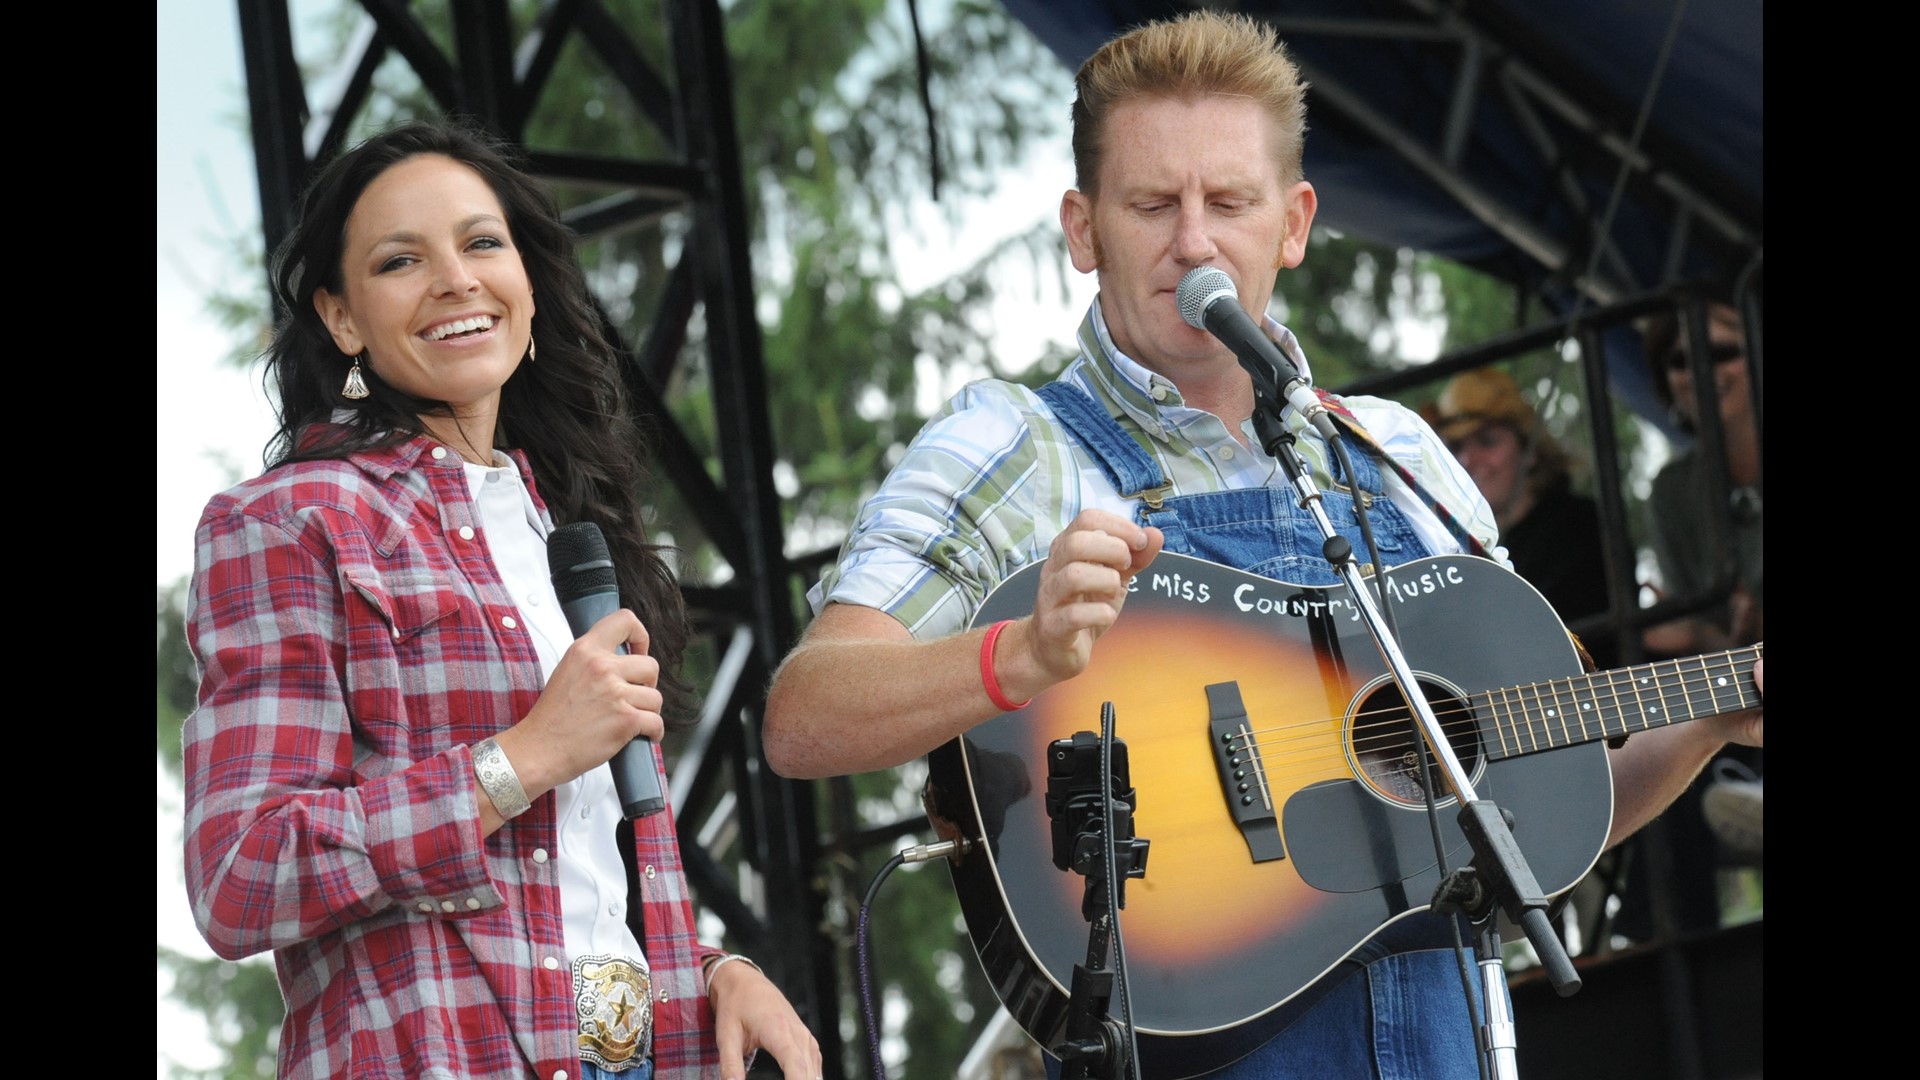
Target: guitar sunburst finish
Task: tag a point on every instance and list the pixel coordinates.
(1224, 946)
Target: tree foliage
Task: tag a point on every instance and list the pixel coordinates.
(243, 1009)
(241, 1002)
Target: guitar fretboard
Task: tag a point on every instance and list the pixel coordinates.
(1608, 704)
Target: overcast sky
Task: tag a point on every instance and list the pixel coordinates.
(210, 421)
(210, 418)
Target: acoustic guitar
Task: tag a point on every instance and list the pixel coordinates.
(1278, 788)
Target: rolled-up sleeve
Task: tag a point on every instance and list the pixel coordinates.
(975, 497)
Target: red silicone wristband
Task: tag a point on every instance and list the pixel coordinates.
(994, 693)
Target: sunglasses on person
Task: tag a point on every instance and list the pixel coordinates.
(1719, 354)
(1485, 437)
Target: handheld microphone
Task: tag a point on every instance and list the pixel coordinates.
(583, 579)
(1209, 301)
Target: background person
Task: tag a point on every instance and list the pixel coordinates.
(1689, 567)
(1717, 823)
(1551, 533)
(396, 772)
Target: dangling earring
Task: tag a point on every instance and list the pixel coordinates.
(356, 388)
(532, 347)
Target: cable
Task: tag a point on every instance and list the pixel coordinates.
(1114, 873)
(1460, 952)
(866, 980)
(1339, 449)
(916, 853)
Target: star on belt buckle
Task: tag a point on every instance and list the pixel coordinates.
(613, 1001)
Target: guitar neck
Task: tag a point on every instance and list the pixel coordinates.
(1610, 704)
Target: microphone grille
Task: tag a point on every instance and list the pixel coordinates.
(1199, 289)
(578, 558)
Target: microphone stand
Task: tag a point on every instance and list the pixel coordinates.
(1090, 801)
(1498, 872)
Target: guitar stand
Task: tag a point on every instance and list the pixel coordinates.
(1081, 798)
(1498, 871)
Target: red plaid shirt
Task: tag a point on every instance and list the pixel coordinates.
(354, 641)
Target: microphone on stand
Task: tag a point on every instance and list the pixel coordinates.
(583, 579)
(1209, 301)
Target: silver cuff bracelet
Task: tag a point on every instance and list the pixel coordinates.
(723, 960)
(498, 779)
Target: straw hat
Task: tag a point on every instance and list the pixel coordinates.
(1474, 399)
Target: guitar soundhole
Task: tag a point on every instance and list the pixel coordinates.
(1386, 746)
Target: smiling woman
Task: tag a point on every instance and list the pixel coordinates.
(434, 300)
(396, 775)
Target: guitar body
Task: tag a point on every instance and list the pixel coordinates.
(1236, 925)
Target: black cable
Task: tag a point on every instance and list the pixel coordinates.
(945, 849)
(1460, 951)
(866, 981)
(926, 95)
(1386, 614)
(1339, 449)
(1114, 873)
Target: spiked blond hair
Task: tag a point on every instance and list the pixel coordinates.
(1195, 55)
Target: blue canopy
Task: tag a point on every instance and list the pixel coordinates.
(1517, 136)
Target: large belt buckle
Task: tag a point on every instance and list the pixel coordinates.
(613, 1000)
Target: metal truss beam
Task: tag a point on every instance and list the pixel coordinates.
(1568, 229)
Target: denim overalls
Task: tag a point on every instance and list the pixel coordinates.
(1411, 1002)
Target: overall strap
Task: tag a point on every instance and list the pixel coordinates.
(1133, 472)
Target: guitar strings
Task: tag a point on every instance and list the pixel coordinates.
(1317, 744)
(1697, 689)
(1628, 699)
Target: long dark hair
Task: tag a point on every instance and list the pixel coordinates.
(568, 412)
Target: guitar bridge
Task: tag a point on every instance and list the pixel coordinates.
(1243, 777)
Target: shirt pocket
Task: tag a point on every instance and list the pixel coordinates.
(404, 638)
(407, 604)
